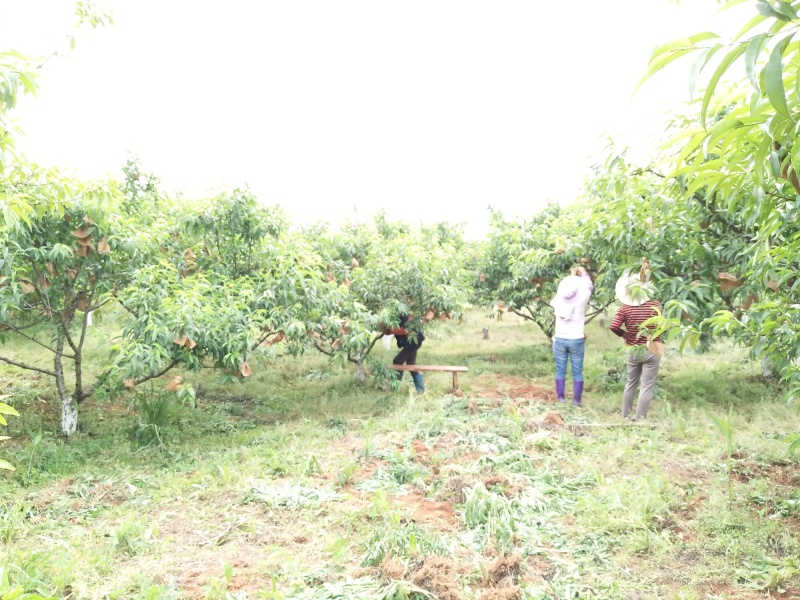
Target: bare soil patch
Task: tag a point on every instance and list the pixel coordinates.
(781, 475)
(497, 386)
(438, 514)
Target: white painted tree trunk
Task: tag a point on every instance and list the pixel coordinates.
(767, 368)
(69, 416)
(361, 372)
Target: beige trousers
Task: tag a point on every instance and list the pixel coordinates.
(642, 369)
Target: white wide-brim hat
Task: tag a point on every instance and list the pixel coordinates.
(632, 291)
(573, 290)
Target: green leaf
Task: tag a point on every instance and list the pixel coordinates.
(784, 8)
(686, 43)
(720, 129)
(773, 79)
(6, 465)
(668, 53)
(699, 65)
(721, 69)
(750, 57)
(766, 10)
(5, 409)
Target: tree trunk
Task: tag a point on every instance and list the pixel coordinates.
(361, 371)
(69, 408)
(767, 368)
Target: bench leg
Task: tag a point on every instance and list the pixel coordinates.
(455, 380)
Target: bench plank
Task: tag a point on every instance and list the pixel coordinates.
(455, 370)
(428, 368)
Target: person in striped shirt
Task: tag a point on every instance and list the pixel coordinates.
(645, 354)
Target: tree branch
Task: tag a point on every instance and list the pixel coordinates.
(22, 365)
(366, 354)
(522, 314)
(321, 349)
(35, 341)
(648, 170)
(91, 390)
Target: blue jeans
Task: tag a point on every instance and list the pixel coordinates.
(572, 350)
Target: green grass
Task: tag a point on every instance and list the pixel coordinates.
(300, 483)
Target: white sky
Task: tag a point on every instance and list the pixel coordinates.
(430, 109)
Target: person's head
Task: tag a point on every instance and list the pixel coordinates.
(631, 290)
(572, 290)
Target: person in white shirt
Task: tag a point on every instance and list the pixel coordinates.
(569, 341)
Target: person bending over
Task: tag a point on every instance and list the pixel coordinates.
(409, 341)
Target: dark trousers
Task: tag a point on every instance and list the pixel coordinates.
(408, 356)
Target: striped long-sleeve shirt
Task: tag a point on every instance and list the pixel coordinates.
(633, 317)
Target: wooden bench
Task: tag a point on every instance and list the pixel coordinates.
(454, 370)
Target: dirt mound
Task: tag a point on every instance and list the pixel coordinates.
(456, 487)
(550, 420)
(501, 579)
(421, 451)
(496, 481)
(428, 512)
(511, 593)
(537, 567)
(437, 575)
(504, 571)
(391, 568)
(532, 392)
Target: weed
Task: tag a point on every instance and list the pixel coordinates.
(12, 521)
(312, 466)
(34, 575)
(337, 423)
(155, 415)
(763, 572)
(133, 538)
(725, 427)
(492, 513)
(147, 591)
(290, 496)
(402, 541)
(346, 474)
(369, 435)
(403, 470)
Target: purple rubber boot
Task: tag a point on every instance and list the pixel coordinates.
(560, 389)
(577, 392)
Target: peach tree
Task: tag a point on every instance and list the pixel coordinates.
(378, 271)
(739, 152)
(519, 266)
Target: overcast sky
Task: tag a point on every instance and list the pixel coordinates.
(429, 109)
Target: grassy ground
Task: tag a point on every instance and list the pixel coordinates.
(301, 484)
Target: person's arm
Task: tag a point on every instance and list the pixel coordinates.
(617, 321)
(585, 277)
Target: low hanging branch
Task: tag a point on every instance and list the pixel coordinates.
(22, 365)
(102, 378)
